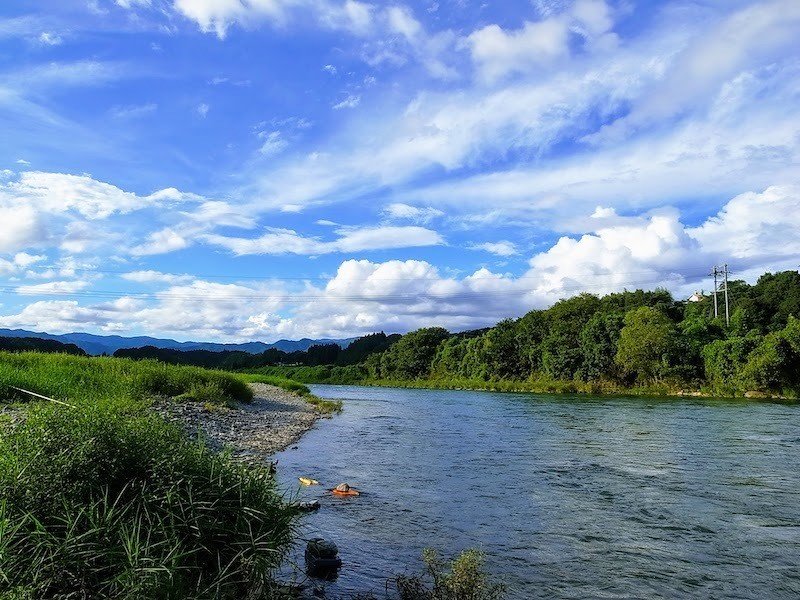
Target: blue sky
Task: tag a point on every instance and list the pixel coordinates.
(258, 169)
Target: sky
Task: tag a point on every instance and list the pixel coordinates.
(235, 170)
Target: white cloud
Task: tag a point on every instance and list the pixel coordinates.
(501, 248)
(22, 228)
(417, 214)
(755, 228)
(202, 110)
(19, 262)
(151, 276)
(287, 241)
(351, 101)
(273, 143)
(160, 242)
(48, 38)
(52, 287)
(88, 197)
(330, 69)
(497, 52)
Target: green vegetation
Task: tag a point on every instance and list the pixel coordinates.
(104, 499)
(636, 342)
(323, 406)
(78, 378)
(462, 579)
(33, 344)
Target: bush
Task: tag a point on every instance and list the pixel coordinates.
(463, 579)
(107, 501)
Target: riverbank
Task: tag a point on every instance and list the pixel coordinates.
(543, 385)
(273, 420)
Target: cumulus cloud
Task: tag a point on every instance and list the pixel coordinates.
(22, 228)
(497, 52)
(19, 262)
(74, 212)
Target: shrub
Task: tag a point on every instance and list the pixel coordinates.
(463, 579)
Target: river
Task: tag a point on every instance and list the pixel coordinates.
(568, 496)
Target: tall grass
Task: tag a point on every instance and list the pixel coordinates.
(107, 500)
(98, 379)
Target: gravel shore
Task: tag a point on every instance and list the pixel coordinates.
(253, 432)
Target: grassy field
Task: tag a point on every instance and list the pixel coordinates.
(104, 499)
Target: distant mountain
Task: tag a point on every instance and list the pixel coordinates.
(108, 344)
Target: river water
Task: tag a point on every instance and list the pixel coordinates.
(568, 496)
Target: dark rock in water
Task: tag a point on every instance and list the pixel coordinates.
(309, 506)
(322, 558)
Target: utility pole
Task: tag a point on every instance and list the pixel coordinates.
(715, 272)
(727, 307)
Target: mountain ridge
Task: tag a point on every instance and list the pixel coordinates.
(108, 344)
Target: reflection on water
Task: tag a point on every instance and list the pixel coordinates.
(569, 497)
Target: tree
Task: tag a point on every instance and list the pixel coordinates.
(770, 366)
(561, 353)
(598, 345)
(724, 360)
(411, 357)
(645, 343)
(504, 356)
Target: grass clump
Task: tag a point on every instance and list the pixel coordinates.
(108, 501)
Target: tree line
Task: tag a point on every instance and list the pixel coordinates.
(34, 344)
(318, 354)
(629, 339)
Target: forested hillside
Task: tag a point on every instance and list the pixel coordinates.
(33, 344)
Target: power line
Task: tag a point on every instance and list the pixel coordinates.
(300, 297)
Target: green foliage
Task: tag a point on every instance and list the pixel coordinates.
(724, 361)
(463, 579)
(504, 353)
(412, 356)
(645, 343)
(598, 345)
(107, 500)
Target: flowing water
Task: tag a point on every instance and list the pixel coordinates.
(568, 497)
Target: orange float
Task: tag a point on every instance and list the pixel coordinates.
(344, 490)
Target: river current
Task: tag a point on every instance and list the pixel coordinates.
(567, 496)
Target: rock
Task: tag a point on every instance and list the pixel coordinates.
(309, 506)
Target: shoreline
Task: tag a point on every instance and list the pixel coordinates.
(568, 389)
(253, 431)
